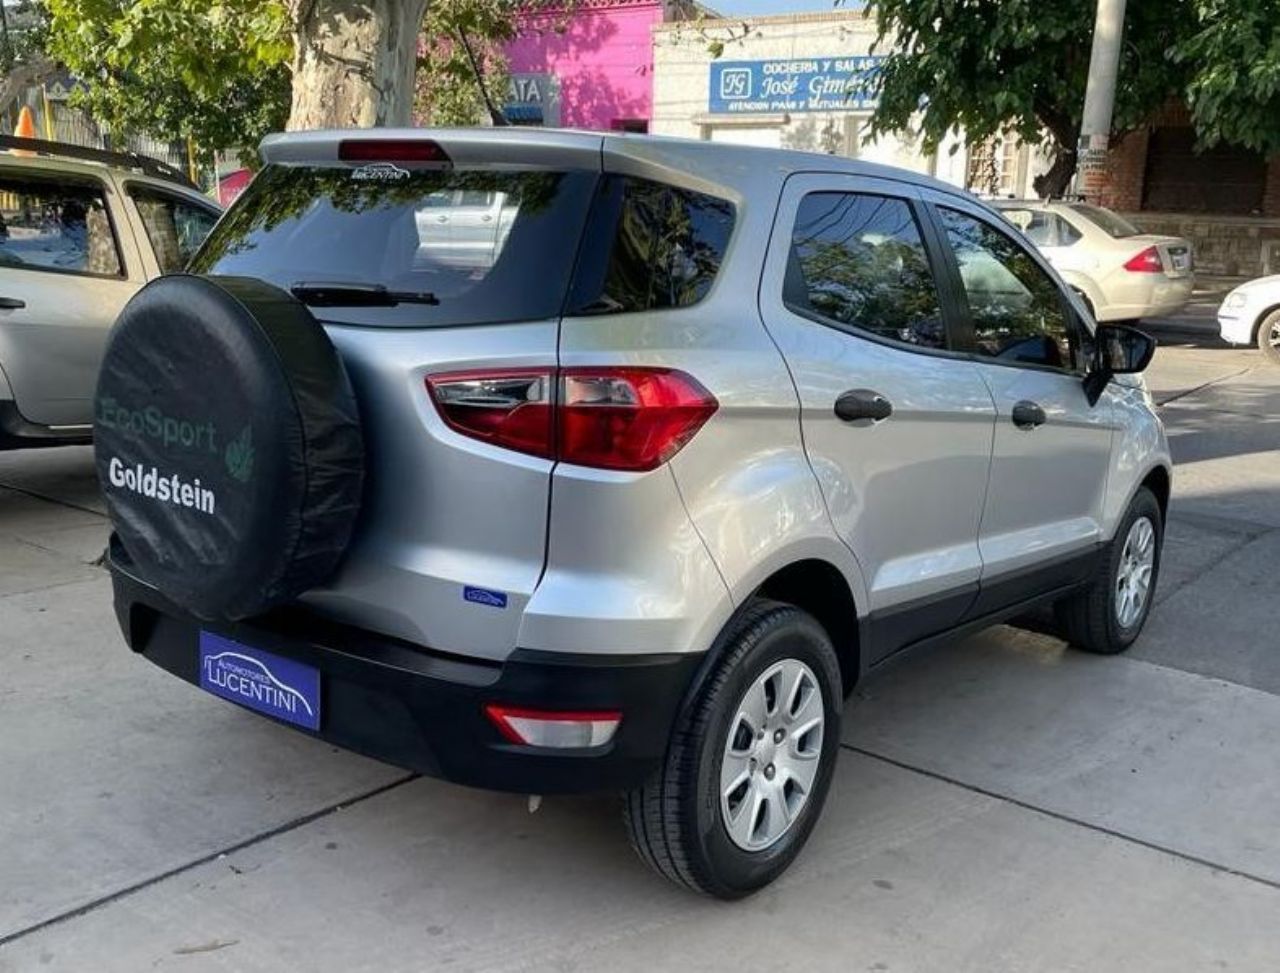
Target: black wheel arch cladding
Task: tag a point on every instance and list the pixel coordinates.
(228, 443)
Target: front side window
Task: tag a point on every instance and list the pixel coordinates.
(859, 261)
(1017, 310)
(175, 228)
(662, 247)
(56, 226)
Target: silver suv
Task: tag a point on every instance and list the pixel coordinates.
(81, 230)
(632, 496)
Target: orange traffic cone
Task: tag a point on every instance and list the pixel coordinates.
(26, 128)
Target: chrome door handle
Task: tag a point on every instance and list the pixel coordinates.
(860, 404)
(1027, 415)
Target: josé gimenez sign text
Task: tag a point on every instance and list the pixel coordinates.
(794, 85)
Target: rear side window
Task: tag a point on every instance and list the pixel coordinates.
(858, 261)
(56, 226)
(1042, 228)
(651, 246)
(490, 246)
(175, 227)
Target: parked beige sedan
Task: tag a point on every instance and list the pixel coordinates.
(1122, 273)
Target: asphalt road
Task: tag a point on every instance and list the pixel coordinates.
(1002, 804)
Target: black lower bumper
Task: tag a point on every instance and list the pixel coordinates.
(423, 710)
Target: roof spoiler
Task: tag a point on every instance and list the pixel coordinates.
(123, 160)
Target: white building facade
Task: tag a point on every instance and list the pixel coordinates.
(795, 81)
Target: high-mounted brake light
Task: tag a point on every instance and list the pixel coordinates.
(1146, 262)
(632, 419)
(567, 729)
(391, 150)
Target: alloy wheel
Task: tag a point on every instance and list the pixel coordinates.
(1133, 580)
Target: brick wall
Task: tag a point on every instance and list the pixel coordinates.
(1126, 168)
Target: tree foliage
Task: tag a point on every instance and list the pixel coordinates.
(1017, 67)
(213, 70)
(1233, 57)
(446, 91)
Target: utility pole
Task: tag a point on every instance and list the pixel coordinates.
(1100, 95)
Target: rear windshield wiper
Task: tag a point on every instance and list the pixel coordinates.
(319, 294)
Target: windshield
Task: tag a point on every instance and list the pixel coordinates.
(1110, 223)
(488, 246)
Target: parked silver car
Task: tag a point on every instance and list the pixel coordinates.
(80, 231)
(633, 502)
(1121, 273)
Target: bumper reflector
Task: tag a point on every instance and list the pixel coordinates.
(567, 729)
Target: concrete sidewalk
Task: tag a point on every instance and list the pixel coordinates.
(1004, 804)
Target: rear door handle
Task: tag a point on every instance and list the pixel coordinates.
(1028, 415)
(12, 303)
(858, 404)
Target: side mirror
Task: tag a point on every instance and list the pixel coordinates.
(1117, 350)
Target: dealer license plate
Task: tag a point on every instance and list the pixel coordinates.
(278, 687)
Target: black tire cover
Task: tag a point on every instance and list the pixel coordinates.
(227, 443)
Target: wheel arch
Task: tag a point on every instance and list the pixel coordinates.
(1257, 321)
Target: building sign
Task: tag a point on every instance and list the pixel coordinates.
(794, 85)
(533, 99)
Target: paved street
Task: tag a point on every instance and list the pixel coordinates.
(1003, 804)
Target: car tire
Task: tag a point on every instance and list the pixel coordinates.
(1107, 615)
(685, 821)
(1269, 337)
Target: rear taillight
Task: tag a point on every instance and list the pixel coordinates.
(391, 150)
(1146, 262)
(614, 418)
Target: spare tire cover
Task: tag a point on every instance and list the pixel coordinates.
(227, 443)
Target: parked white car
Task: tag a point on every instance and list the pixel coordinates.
(1251, 313)
(1122, 273)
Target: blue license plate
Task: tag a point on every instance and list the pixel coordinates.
(278, 687)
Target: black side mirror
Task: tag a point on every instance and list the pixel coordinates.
(1117, 350)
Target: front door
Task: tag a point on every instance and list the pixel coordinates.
(898, 426)
(1041, 523)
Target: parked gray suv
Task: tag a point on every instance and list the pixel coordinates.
(629, 497)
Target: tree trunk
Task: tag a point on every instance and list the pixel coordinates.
(354, 62)
(1055, 181)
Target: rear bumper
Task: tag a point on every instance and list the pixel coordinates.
(408, 706)
(1146, 296)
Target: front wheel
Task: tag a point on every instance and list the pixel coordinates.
(1269, 337)
(748, 769)
(1106, 616)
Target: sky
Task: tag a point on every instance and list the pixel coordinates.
(740, 8)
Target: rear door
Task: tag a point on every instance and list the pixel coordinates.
(67, 267)
(452, 537)
(898, 426)
(1042, 518)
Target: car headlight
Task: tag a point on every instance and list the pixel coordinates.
(1235, 300)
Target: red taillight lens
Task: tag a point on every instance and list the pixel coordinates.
(391, 150)
(1146, 262)
(628, 418)
(569, 729)
(507, 408)
(613, 418)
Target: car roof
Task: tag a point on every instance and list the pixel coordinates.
(52, 165)
(726, 163)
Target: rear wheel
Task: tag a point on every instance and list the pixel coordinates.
(1108, 615)
(749, 767)
(1269, 337)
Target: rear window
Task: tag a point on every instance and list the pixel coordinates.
(491, 246)
(1111, 223)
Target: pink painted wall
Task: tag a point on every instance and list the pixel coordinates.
(603, 59)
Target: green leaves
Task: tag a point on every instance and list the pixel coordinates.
(997, 67)
(216, 71)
